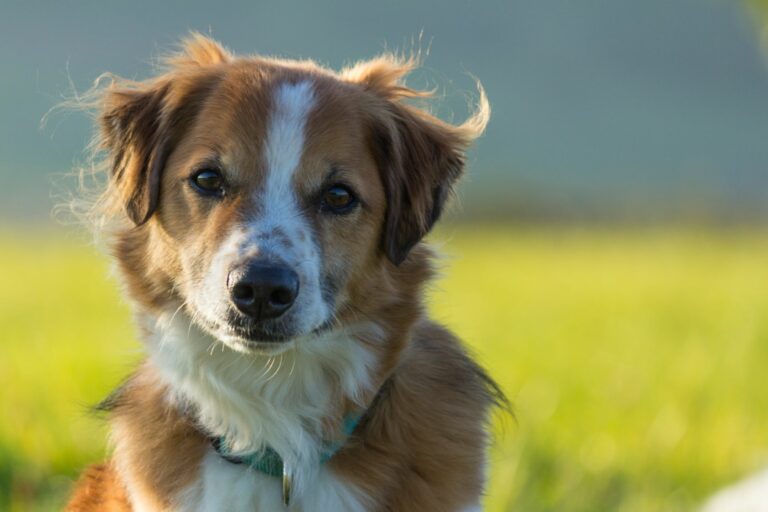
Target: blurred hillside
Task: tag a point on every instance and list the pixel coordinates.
(651, 110)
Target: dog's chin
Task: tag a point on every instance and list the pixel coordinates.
(258, 347)
(250, 340)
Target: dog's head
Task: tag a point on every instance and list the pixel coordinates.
(273, 199)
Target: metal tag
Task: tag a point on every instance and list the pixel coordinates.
(287, 483)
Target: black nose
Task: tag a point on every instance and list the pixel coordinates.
(263, 291)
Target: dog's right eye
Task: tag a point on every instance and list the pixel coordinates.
(208, 182)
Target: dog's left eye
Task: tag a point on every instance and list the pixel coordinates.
(208, 182)
(338, 199)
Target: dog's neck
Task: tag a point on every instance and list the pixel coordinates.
(290, 401)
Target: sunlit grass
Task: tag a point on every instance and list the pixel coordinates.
(636, 361)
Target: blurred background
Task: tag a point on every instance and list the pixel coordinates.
(607, 261)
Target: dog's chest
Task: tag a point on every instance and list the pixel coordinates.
(232, 487)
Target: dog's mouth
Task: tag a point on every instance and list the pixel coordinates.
(243, 334)
(260, 336)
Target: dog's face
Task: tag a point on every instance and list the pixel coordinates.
(272, 199)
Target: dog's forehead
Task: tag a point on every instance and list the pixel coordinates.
(262, 119)
(286, 130)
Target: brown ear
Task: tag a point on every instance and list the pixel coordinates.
(132, 132)
(139, 121)
(420, 157)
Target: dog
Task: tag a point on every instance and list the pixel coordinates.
(267, 217)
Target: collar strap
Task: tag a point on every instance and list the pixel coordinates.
(269, 462)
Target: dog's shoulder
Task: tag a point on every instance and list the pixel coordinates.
(439, 360)
(158, 447)
(99, 489)
(428, 429)
(440, 392)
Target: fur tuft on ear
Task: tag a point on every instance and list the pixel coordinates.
(383, 76)
(420, 157)
(198, 50)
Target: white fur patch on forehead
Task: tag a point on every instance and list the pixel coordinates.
(285, 136)
(292, 104)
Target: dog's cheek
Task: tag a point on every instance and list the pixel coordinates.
(333, 283)
(350, 251)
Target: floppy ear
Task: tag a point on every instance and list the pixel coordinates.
(420, 157)
(138, 119)
(132, 132)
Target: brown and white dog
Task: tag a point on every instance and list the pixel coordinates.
(268, 221)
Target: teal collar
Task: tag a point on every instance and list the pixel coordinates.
(269, 462)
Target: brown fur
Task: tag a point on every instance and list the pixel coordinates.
(421, 448)
(158, 445)
(99, 488)
(421, 444)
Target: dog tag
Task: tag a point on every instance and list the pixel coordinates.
(287, 483)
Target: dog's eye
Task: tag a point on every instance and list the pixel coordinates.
(338, 199)
(208, 181)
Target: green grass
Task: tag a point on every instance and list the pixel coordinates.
(636, 361)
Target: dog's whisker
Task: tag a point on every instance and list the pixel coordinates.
(277, 370)
(293, 366)
(173, 316)
(267, 367)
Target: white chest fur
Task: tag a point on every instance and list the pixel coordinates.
(256, 400)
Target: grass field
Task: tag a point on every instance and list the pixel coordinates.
(636, 361)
